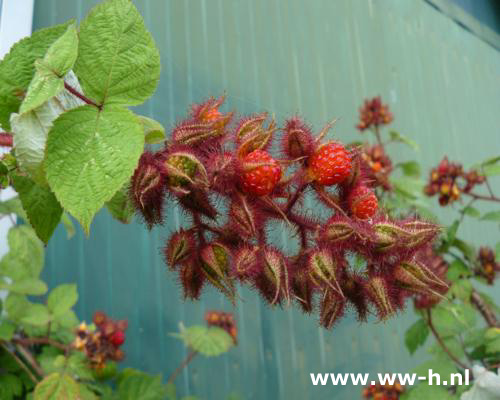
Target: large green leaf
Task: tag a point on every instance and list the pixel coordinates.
(17, 69)
(154, 131)
(49, 72)
(416, 335)
(91, 153)
(41, 206)
(29, 286)
(210, 342)
(138, 385)
(57, 387)
(36, 314)
(491, 216)
(118, 62)
(62, 298)
(26, 255)
(120, 206)
(31, 129)
(424, 391)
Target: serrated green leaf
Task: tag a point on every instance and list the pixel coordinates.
(16, 306)
(457, 270)
(41, 206)
(62, 299)
(34, 287)
(120, 206)
(491, 216)
(26, 255)
(57, 387)
(36, 314)
(13, 206)
(491, 170)
(138, 385)
(154, 132)
(118, 62)
(397, 137)
(424, 391)
(471, 212)
(17, 69)
(416, 335)
(49, 72)
(451, 319)
(411, 168)
(210, 342)
(91, 153)
(12, 386)
(31, 130)
(7, 330)
(77, 364)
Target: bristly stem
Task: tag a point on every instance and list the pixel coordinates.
(484, 309)
(441, 343)
(294, 198)
(81, 96)
(187, 360)
(6, 139)
(481, 197)
(21, 363)
(43, 340)
(377, 135)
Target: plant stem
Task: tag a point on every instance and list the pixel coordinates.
(33, 341)
(294, 198)
(441, 343)
(187, 360)
(377, 135)
(30, 359)
(484, 309)
(81, 96)
(21, 363)
(481, 197)
(6, 139)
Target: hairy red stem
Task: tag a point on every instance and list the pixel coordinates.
(184, 363)
(81, 96)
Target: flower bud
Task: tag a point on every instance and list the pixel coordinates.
(192, 280)
(297, 139)
(182, 168)
(273, 280)
(302, 289)
(378, 292)
(331, 309)
(215, 266)
(245, 262)
(323, 269)
(337, 230)
(242, 217)
(180, 247)
(249, 126)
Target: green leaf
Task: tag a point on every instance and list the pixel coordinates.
(154, 132)
(411, 168)
(49, 72)
(41, 206)
(62, 299)
(34, 287)
(31, 130)
(397, 137)
(26, 255)
(13, 206)
(138, 385)
(120, 206)
(57, 387)
(78, 366)
(11, 385)
(37, 315)
(17, 69)
(457, 270)
(424, 391)
(471, 212)
(416, 335)
(451, 319)
(491, 170)
(16, 306)
(491, 216)
(90, 155)
(68, 224)
(118, 62)
(443, 367)
(171, 391)
(7, 330)
(210, 342)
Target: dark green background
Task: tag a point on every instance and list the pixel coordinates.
(318, 58)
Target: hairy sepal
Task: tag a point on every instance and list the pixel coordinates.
(180, 247)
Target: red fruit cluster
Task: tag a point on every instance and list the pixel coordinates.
(104, 343)
(224, 321)
(373, 114)
(377, 164)
(213, 165)
(488, 266)
(448, 180)
(383, 392)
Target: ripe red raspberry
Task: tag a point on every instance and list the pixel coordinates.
(118, 338)
(261, 180)
(330, 164)
(362, 202)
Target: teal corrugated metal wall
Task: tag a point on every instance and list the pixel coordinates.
(319, 58)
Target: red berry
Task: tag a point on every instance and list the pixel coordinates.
(330, 164)
(362, 202)
(261, 180)
(117, 338)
